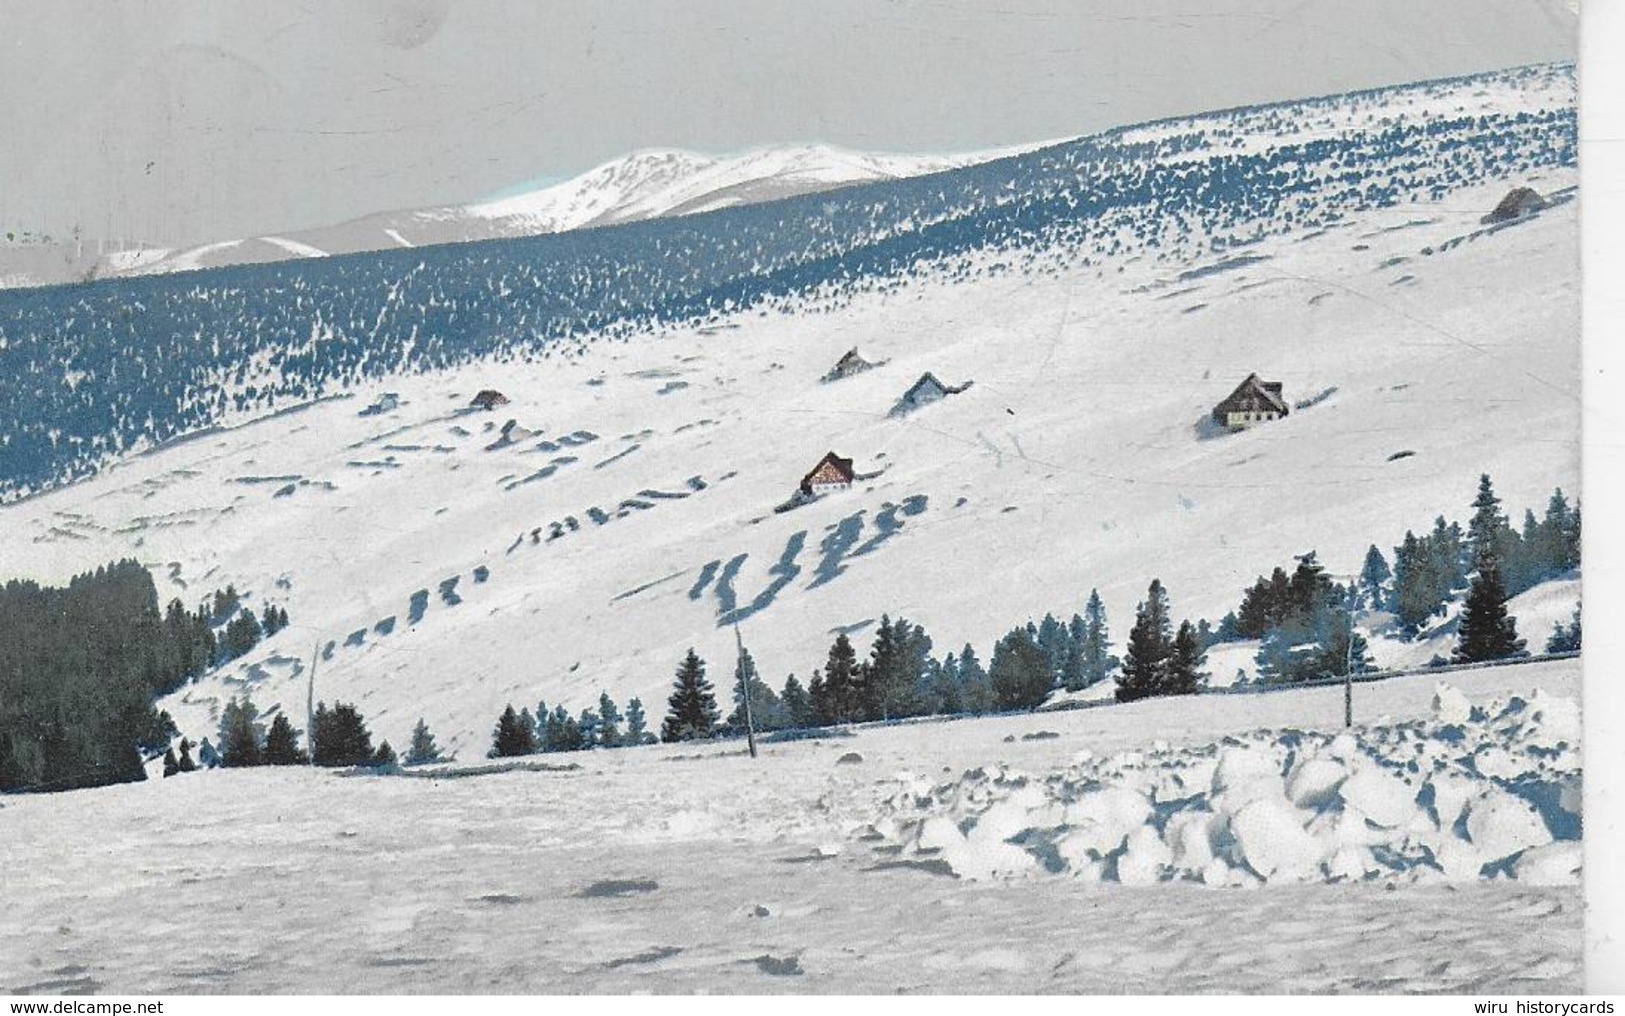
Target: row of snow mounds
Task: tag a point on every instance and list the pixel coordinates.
(1473, 792)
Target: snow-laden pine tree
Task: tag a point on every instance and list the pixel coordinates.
(692, 709)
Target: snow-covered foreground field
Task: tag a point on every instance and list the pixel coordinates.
(693, 868)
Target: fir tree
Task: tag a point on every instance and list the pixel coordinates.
(1373, 576)
(1150, 644)
(818, 700)
(975, 689)
(1097, 662)
(843, 690)
(609, 721)
(171, 765)
(587, 726)
(692, 708)
(1565, 638)
(514, 734)
(1488, 531)
(339, 737)
(241, 736)
(764, 704)
(1415, 595)
(795, 704)
(384, 757)
(1487, 631)
(184, 762)
(1055, 642)
(422, 749)
(947, 692)
(1020, 674)
(207, 756)
(1185, 660)
(282, 744)
(637, 725)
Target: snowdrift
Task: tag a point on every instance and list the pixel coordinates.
(1485, 791)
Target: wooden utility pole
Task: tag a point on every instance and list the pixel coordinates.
(745, 689)
(310, 704)
(1348, 677)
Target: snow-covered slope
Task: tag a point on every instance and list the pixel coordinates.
(443, 563)
(643, 185)
(681, 868)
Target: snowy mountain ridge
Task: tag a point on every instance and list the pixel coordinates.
(646, 184)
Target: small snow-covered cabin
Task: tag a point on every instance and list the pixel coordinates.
(1254, 401)
(489, 398)
(924, 392)
(851, 363)
(1519, 202)
(831, 473)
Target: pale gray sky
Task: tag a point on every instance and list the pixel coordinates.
(178, 121)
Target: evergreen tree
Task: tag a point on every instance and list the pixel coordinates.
(637, 725)
(609, 721)
(1373, 576)
(947, 691)
(512, 735)
(1150, 645)
(1020, 674)
(282, 744)
(765, 709)
(1565, 638)
(184, 763)
(587, 726)
(1487, 631)
(422, 749)
(692, 708)
(1185, 674)
(896, 664)
(1097, 662)
(795, 705)
(207, 756)
(843, 684)
(339, 737)
(241, 736)
(1415, 596)
(1055, 642)
(171, 765)
(818, 698)
(384, 756)
(976, 691)
(1488, 531)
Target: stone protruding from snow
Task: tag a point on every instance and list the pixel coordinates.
(1490, 791)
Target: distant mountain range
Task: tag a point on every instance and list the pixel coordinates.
(649, 184)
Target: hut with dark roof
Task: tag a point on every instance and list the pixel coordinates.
(1253, 402)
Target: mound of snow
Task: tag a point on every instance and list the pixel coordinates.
(1474, 792)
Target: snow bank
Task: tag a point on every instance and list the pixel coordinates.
(1475, 791)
